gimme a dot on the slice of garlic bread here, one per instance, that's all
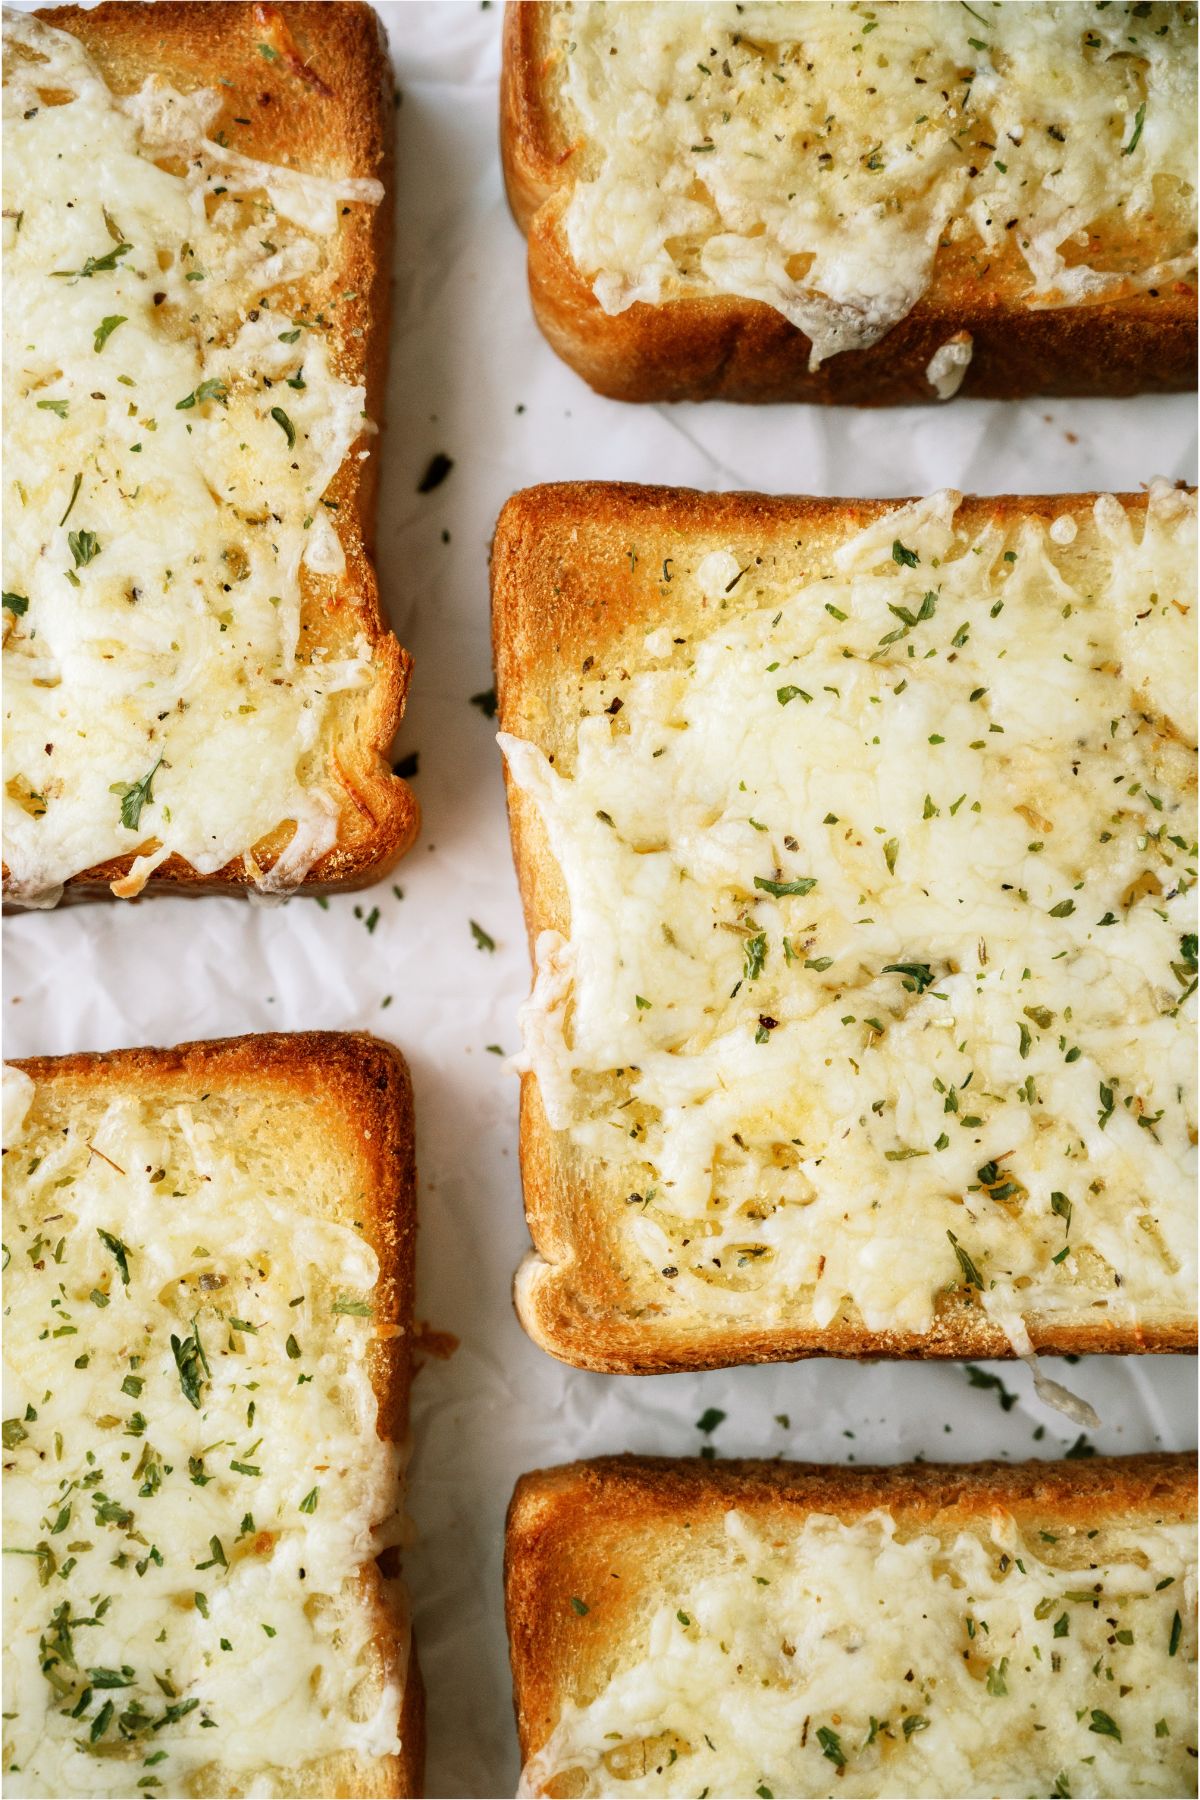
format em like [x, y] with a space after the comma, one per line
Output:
[208, 1327]
[780, 1628]
[825, 201]
[200, 688]
[857, 847]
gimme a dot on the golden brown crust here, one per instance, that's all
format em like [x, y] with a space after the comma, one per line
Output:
[322, 102]
[576, 574]
[726, 348]
[358, 1092]
[571, 1529]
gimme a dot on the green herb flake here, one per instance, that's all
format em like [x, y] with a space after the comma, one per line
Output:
[1062, 1208]
[980, 1378]
[804, 885]
[95, 265]
[119, 1250]
[191, 1362]
[755, 956]
[75, 487]
[105, 329]
[1139, 119]
[134, 796]
[970, 1273]
[84, 545]
[831, 1746]
[207, 390]
[917, 976]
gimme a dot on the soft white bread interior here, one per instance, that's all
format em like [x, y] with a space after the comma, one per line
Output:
[208, 1323]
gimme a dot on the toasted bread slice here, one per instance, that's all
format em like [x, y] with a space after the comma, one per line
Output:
[856, 844]
[783, 1628]
[771, 203]
[208, 1334]
[201, 689]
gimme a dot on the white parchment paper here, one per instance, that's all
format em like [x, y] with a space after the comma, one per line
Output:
[472, 378]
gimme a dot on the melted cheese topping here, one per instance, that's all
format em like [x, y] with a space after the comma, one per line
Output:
[193, 1480]
[170, 430]
[882, 930]
[815, 157]
[850, 1659]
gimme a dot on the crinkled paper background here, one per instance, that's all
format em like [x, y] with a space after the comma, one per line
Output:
[472, 378]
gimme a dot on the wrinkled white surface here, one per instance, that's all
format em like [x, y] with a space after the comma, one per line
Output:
[466, 355]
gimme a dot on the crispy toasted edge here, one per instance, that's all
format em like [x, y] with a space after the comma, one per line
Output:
[350, 47]
[725, 347]
[564, 1524]
[558, 592]
[361, 1085]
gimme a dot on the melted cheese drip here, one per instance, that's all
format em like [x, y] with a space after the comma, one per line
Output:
[168, 438]
[964, 1020]
[848, 1659]
[119, 1493]
[815, 156]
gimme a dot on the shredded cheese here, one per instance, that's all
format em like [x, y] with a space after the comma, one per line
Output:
[882, 948]
[816, 157]
[853, 1658]
[193, 1477]
[949, 363]
[170, 430]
